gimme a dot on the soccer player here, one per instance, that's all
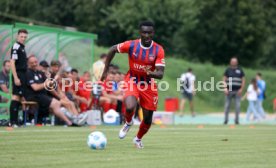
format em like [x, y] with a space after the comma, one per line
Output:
[146, 61]
[18, 67]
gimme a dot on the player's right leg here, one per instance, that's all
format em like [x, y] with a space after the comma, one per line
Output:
[130, 103]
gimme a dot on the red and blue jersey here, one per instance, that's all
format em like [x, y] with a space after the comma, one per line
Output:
[142, 58]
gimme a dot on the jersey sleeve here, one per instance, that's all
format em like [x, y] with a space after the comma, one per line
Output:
[14, 51]
[29, 78]
[123, 47]
[160, 60]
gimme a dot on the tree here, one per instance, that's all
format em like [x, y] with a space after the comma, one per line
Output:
[229, 28]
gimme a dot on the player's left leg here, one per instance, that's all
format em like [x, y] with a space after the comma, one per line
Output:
[144, 127]
[148, 101]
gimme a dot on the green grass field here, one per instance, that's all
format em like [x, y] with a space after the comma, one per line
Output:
[170, 147]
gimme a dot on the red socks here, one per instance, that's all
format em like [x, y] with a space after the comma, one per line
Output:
[128, 116]
[143, 129]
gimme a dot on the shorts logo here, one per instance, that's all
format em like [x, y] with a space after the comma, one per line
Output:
[163, 61]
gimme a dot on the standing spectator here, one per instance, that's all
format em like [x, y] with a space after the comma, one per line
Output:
[188, 90]
[98, 68]
[18, 67]
[252, 97]
[4, 79]
[262, 86]
[234, 83]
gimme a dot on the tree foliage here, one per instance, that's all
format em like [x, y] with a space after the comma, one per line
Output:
[205, 31]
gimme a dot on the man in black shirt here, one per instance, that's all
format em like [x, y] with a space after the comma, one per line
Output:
[18, 67]
[234, 81]
[35, 90]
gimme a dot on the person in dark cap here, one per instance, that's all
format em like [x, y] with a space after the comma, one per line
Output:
[44, 66]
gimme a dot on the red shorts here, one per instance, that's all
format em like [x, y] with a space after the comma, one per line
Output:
[146, 94]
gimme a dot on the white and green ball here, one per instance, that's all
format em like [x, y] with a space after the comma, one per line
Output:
[96, 140]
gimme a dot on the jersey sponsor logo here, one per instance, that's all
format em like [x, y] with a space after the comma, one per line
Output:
[142, 67]
[238, 71]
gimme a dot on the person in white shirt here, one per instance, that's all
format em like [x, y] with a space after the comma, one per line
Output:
[188, 90]
[252, 96]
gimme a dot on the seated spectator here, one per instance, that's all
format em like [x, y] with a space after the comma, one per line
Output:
[109, 99]
[70, 90]
[4, 79]
[75, 74]
[43, 66]
[55, 68]
[84, 91]
[36, 82]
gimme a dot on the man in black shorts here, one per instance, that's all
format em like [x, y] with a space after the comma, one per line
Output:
[36, 85]
[18, 67]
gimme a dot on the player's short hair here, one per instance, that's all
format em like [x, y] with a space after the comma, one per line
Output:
[5, 61]
[259, 74]
[74, 70]
[22, 31]
[146, 23]
[190, 70]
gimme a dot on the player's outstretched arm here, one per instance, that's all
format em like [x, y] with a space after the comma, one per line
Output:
[110, 55]
[158, 73]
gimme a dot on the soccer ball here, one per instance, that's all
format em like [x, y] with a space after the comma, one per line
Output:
[96, 140]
